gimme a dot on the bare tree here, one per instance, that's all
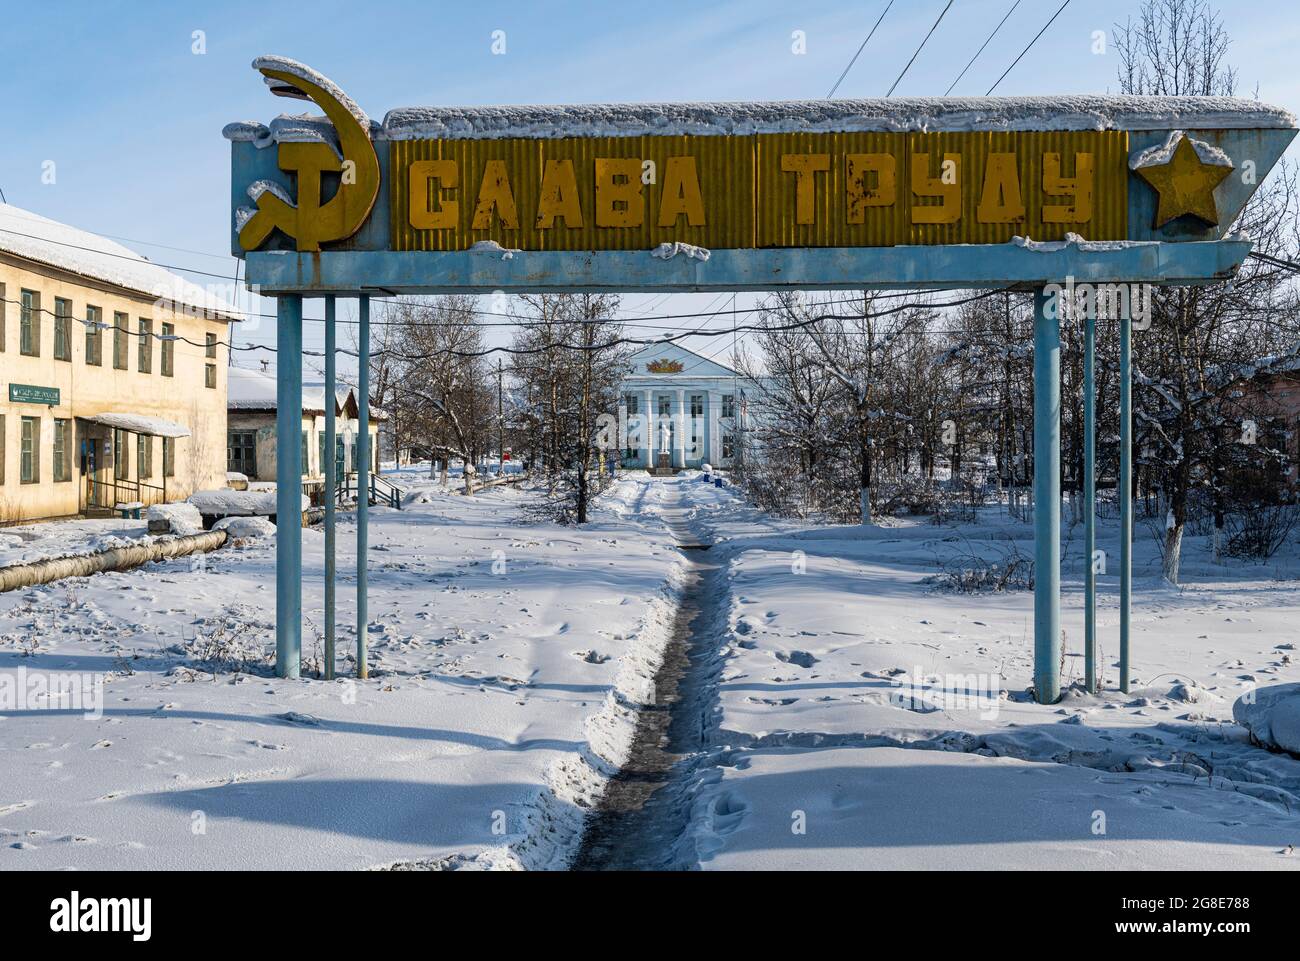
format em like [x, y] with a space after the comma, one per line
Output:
[1198, 336]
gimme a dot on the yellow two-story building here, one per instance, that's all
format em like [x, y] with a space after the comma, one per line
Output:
[112, 375]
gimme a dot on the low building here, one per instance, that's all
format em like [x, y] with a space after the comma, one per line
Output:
[679, 409]
[112, 375]
[251, 430]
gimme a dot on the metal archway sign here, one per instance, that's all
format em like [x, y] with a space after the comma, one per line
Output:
[921, 193]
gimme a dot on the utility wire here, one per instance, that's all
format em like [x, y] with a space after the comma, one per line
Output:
[981, 49]
[860, 49]
[1026, 50]
[246, 314]
[575, 324]
[918, 49]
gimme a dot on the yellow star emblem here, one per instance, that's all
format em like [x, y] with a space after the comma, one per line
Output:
[1185, 185]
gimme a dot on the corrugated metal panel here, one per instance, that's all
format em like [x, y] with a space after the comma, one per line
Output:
[722, 166]
[778, 225]
[1109, 150]
[750, 200]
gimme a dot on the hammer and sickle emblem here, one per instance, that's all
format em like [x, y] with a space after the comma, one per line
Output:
[312, 223]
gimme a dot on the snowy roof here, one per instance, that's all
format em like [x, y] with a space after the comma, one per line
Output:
[138, 424]
[900, 114]
[918, 114]
[256, 390]
[33, 237]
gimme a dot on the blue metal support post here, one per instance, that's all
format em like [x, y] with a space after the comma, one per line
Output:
[1090, 502]
[1125, 490]
[331, 485]
[363, 481]
[1047, 502]
[288, 487]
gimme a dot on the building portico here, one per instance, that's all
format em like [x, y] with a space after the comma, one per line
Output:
[679, 404]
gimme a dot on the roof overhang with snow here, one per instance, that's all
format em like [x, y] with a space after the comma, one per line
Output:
[138, 424]
[935, 192]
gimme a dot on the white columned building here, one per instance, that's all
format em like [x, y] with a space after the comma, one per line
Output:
[682, 409]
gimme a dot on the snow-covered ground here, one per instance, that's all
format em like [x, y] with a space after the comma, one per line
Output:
[509, 657]
[67, 538]
[488, 720]
[823, 759]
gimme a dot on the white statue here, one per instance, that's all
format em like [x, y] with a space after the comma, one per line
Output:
[665, 432]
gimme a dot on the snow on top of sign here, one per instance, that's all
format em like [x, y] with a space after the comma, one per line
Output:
[304, 72]
[492, 247]
[31, 236]
[1161, 154]
[669, 251]
[1074, 240]
[902, 114]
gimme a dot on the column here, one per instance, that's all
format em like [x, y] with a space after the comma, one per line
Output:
[362, 468]
[1125, 493]
[679, 435]
[622, 430]
[288, 487]
[331, 485]
[1047, 502]
[650, 441]
[714, 420]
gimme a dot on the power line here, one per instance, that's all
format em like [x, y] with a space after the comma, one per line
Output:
[1026, 50]
[918, 49]
[1290, 265]
[514, 322]
[981, 49]
[860, 49]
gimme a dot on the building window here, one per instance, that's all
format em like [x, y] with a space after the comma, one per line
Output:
[144, 360]
[121, 466]
[728, 405]
[305, 471]
[169, 457]
[697, 405]
[633, 404]
[665, 406]
[29, 467]
[210, 347]
[119, 341]
[241, 453]
[210, 376]
[143, 456]
[29, 323]
[62, 450]
[168, 350]
[62, 328]
[728, 445]
[94, 337]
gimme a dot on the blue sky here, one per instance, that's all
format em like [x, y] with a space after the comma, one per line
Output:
[114, 95]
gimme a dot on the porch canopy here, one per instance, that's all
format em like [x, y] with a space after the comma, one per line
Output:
[138, 424]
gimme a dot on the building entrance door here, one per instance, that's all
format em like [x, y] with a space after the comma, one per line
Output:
[90, 466]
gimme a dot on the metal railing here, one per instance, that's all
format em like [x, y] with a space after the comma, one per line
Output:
[382, 490]
[107, 494]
